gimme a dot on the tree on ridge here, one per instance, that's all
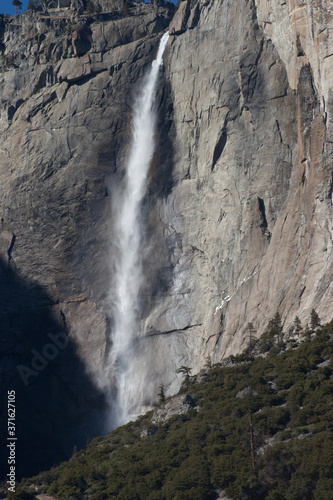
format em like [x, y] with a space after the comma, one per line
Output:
[17, 4]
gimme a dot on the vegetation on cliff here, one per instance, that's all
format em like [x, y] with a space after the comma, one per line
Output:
[262, 429]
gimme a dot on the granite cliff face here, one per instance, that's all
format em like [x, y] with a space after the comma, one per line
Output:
[248, 219]
[67, 85]
[252, 200]
[238, 205]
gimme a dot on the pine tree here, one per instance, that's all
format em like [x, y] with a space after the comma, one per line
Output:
[208, 363]
[297, 326]
[161, 394]
[273, 333]
[31, 5]
[314, 319]
[186, 371]
[275, 327]
[17, 4]
[250, 328]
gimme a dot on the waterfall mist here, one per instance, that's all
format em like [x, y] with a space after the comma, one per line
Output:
[124, 374]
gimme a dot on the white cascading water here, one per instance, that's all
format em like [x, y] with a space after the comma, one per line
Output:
[123, 370]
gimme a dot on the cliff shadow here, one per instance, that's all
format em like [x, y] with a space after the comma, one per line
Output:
[57, 406]
[161, 180]
[157, 258]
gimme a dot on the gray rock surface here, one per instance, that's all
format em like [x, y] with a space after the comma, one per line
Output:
[67, 85]
[238, 207]
[178, 405]
[247, 392]
[248, 219]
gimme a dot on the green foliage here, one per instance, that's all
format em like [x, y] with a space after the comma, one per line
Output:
[266, 342]
[161, 394]
[17, 4]
[185, 370]
[272, 336]
[192, 455]
[35, 4]
[252, 340]
[208, 363]
[275, 327]
[21, 493]
[32, 5]
[314, 319]
[297, 326]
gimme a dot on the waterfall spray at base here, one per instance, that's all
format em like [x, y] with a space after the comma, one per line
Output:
[123, 370]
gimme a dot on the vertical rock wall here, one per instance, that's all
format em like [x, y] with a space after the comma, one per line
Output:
[238, 206]
[67, 84]
[249, 217]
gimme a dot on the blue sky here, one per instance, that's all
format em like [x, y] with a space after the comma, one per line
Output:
[6, 6]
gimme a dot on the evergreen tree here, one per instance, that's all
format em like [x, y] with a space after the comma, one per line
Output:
[17, 4]
[273, 333]
[250, 328]
[275, 327]
[314, 319]
[208, 363]
[186, 371]
[297, 326]
[161, 394]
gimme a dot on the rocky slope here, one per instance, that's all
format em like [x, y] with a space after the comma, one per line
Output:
[271, 414]
[238, 206]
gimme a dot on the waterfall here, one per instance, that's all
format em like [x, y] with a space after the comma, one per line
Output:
[123, 370]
